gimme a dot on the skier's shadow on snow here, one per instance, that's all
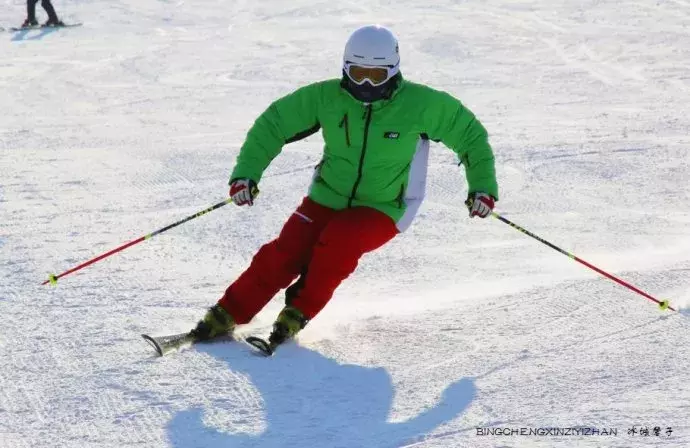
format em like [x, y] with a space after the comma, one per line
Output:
[309, 398]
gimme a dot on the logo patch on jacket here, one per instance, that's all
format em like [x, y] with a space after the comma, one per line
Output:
[391, 135]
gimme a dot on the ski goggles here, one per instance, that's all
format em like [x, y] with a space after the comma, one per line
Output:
[376, 75]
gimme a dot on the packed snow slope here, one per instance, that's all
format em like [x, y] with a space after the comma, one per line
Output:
[133, 121]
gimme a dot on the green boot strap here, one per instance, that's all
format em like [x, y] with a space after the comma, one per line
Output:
[293, 319]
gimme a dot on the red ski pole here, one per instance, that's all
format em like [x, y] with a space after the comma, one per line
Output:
[663, 304]
[52, 278]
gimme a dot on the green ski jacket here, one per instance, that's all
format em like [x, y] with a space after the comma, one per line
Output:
[375, 155]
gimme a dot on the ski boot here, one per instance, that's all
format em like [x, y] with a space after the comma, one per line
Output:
[216, 322]
[55, 23]
[289, 322]
[29, 23]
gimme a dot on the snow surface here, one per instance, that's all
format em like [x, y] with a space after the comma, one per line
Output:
[113, 130]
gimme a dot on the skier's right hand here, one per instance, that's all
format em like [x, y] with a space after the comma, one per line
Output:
[243, 191]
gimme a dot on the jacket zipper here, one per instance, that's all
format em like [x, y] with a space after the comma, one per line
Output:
[367, 122]
[344, 123]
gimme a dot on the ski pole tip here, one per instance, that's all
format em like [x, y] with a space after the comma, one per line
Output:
[664, 305]
[52, 279]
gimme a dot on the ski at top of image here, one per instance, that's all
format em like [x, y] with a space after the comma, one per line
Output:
[15, 29]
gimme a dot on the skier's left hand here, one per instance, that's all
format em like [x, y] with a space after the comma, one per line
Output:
[479, 204]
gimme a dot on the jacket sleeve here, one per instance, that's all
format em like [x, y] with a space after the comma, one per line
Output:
[458, 128]
[288, 119]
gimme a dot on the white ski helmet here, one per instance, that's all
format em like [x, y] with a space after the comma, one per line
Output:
[372, 45]
[373, 52]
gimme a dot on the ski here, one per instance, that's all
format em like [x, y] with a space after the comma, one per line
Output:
[40, 27]
[166, 344]
[66, 25]
[22, 28]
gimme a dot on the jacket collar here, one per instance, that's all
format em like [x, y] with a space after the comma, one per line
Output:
[380, 104]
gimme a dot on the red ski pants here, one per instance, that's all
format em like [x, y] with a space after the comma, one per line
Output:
[325, 242]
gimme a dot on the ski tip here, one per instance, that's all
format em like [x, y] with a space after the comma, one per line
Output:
[153, 344]
[260, 344]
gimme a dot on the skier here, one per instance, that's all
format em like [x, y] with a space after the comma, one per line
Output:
[367, 188]
[31, 14]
